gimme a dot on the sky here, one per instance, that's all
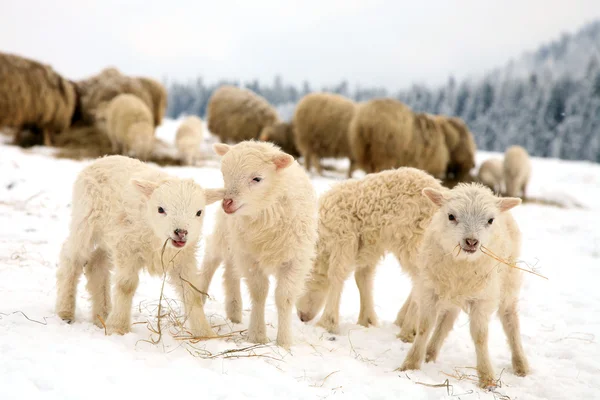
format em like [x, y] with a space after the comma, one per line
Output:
[391, 44]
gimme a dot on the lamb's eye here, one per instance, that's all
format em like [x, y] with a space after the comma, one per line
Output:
[257, 179]
[491, 221]
[199, 213]
[451, 217]
[161, 210]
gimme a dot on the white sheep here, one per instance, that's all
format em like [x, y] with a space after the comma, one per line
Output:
[123, 213]
[454, 274]
[129, 126]
[189, 138]
[517, 169]
[359, 221]
[491, 174]
[268, 226]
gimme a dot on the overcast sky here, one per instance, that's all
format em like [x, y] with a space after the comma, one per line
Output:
[367, 42]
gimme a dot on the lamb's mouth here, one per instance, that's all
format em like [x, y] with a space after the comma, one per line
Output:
[178, 243]
[470, 250]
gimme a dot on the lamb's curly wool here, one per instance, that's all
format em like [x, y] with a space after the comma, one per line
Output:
[461, 145]
[236, 114]
[359, 221]
[129, 126]
[491, 174]
[35, 97]
[468, 217]
[517, 169]
[189, 138]
[321, 122]
[282, 135]
[123, 213]
[268, 226]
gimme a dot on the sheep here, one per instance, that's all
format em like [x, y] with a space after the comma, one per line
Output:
[321, 122]
[189, 138]
[461, 145]
[428, 150]
[468, 217]
[158, 97]
[236, 114]
[359, 221]
[126, 216]
[129, 126]
[491, 174]
[282, 135]
[35, 97]
[267, 226]
[517, 169]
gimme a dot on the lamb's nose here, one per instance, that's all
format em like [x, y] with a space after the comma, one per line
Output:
[471, 242]
[181, 233]
[227, 203]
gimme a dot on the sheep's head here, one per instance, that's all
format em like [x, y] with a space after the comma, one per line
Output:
[175, 208]
[252, 172]
[466, 217]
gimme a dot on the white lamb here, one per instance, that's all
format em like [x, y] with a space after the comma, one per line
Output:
[454, 274]
[517, 169]
[124, 212]
[268, 226]
[491, 174]
[359, 221]
[189, 138]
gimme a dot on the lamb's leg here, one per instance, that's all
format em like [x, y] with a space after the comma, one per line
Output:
[307, 161]
[47, 137]
[524, 190]
[428, 309]
[317, 162]
[233, 292]
[510, 322]
[331, 315]
[97, 272]
[480, 321]
[351, 168]
[258, 285]
[407, 319]
[444, 325]
[403, 310]
[126, 282]
[290, 281]
[212, 260]
[364, 280]
[67, 277]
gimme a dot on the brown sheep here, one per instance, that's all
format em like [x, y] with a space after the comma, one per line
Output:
[158, 95]
[428, 147]
[281, 134]
[461, 146]
[236, 114]
[321, 122]
[35, 97]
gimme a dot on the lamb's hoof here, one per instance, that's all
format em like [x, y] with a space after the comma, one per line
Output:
[234, 313]
[329, 324]
[406, 337]
[258, 338]
[409, 366]
[66, 316]
[284, 343]
[204, 333]
[431, 356]
[118, 330]
[367, 321]
[521, 368]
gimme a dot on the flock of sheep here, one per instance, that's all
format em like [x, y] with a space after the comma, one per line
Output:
[128, 216]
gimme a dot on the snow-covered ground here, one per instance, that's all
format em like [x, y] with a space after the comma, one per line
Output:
[41, 357]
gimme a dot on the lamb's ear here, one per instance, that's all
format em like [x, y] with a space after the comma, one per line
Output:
[435, 196]
[213, 195]
[282, 160]
[506, 203]
[145, 187]
[221, 148]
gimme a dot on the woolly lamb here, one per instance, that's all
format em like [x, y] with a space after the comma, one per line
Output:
[359, 221]
[491, 174]
[321, 122]
[236, 114]
[129, 126]
[517, 169]
[124, 213]
[461, 145]
[189, 138]
[268, 226]
[35, 97]
[282, 135]
[469, 216]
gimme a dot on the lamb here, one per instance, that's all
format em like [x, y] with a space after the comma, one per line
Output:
[268, 226]
[282, 135]
[236, 114]
[321, 122]
[189, 138]
[491, 174]
[461, 145]
[468, 218]
[517, 169]
[35, 97]
[124, 214]
[129, 126]
[359, 221]
[158, 97]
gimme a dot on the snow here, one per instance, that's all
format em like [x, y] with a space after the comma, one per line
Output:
[560, 317]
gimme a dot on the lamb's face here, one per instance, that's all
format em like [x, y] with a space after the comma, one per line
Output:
[465, 220]
[251, 173]
[175, 209]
